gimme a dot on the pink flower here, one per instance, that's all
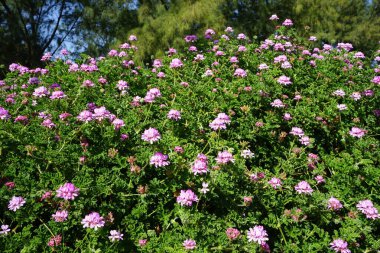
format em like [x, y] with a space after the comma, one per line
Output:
[334, 204]
[122, 85]
[15, 203]
[312, 38]
[186, 198]
[41, 92]
[240, 73]
[132, 37]
[246, 153]
[4, 114]
[274, 17]
[287, 116]
[275, 182]
[4, 230]
[174, 115]
[200, 166]
[305, 140]
[189, 244]
[297, 131]
[159, 160]
[115, 236]
[224, 157]
[376, 80]
[151, 135]
[118, 123]
[176, 63]
[205, 188]
[357, 132]
[287, 22]
[367, 208]
[142, 242]
[277, 103]
[57, 95]
[55, 241]
[340, 246]
[303, 187]
[356, 96]
[88, 83]
[241, 36]
[339, 93]
[263, 66]
[257, 234]
[48, 123]
[93, 220]
[319, 179]
[284, 80]
[232, 233]
[68, 191]
[60, 216]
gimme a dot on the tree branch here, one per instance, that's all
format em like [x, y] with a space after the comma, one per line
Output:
[56, 27]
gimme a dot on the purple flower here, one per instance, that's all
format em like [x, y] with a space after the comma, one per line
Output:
[186, 198]
[189, 244]
[357, 132]
[319, 179]
[305, 140]
[287, 22]
[48, 123]
[122, 85]
[334, 204]
[15, 203]
[151, 135]
[176, 63]
[241, 36]
[274, 17]
[340, 246]
[205, 188]
[60, 216]
[93, 220]
[88, 83]
[159, 160]
[55, 241]
[174, 115]
[224, 157]
[68, 191]
[376, 80]
[303, 187]
[4, 114]
[257, 234]
[284, 80]
[342, 107]
[339, 93]
[356, 96]
[115, 236]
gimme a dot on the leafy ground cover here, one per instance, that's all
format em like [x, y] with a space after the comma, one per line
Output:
[229, 145]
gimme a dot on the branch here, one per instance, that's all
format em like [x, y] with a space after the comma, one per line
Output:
[64, 37]
[56, 27]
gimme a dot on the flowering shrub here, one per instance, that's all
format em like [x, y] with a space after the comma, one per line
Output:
[226, 146]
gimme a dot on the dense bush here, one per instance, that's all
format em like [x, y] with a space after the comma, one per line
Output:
[226, 146]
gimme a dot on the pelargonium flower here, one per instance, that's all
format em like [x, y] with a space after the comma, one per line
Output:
[319, 179]
[186, 198]
[257, 234]
[122, 85]
[200, 166]
[277, 103]
[284, 80]
[342, 107]
[339, 93]
[205, 188]
[85, 116]
[4, 230]
[246, 153]
[305, 140]
[232, 233]
[55, 241]
[189, 244]
[376, 80]
[115, 235]
[297, 131]
[93, 220]
[275, 182]
[303, 187]
[176, 63]
[224, 157]
[151, 95]
[287, 22]
[367, 208]
[357, 132]
[159, 160]
[88, 83]
[41, 92]
[4, 114]
[274, 17]
[340, 246]
[263, 66]
[118, 123]
[60, 216]
[15, 203]
[174, 115]
[57, 95]
[356, 96]
[67, 191]
[48, 123]
[334, 204]
[240, 72]
[151, 135]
